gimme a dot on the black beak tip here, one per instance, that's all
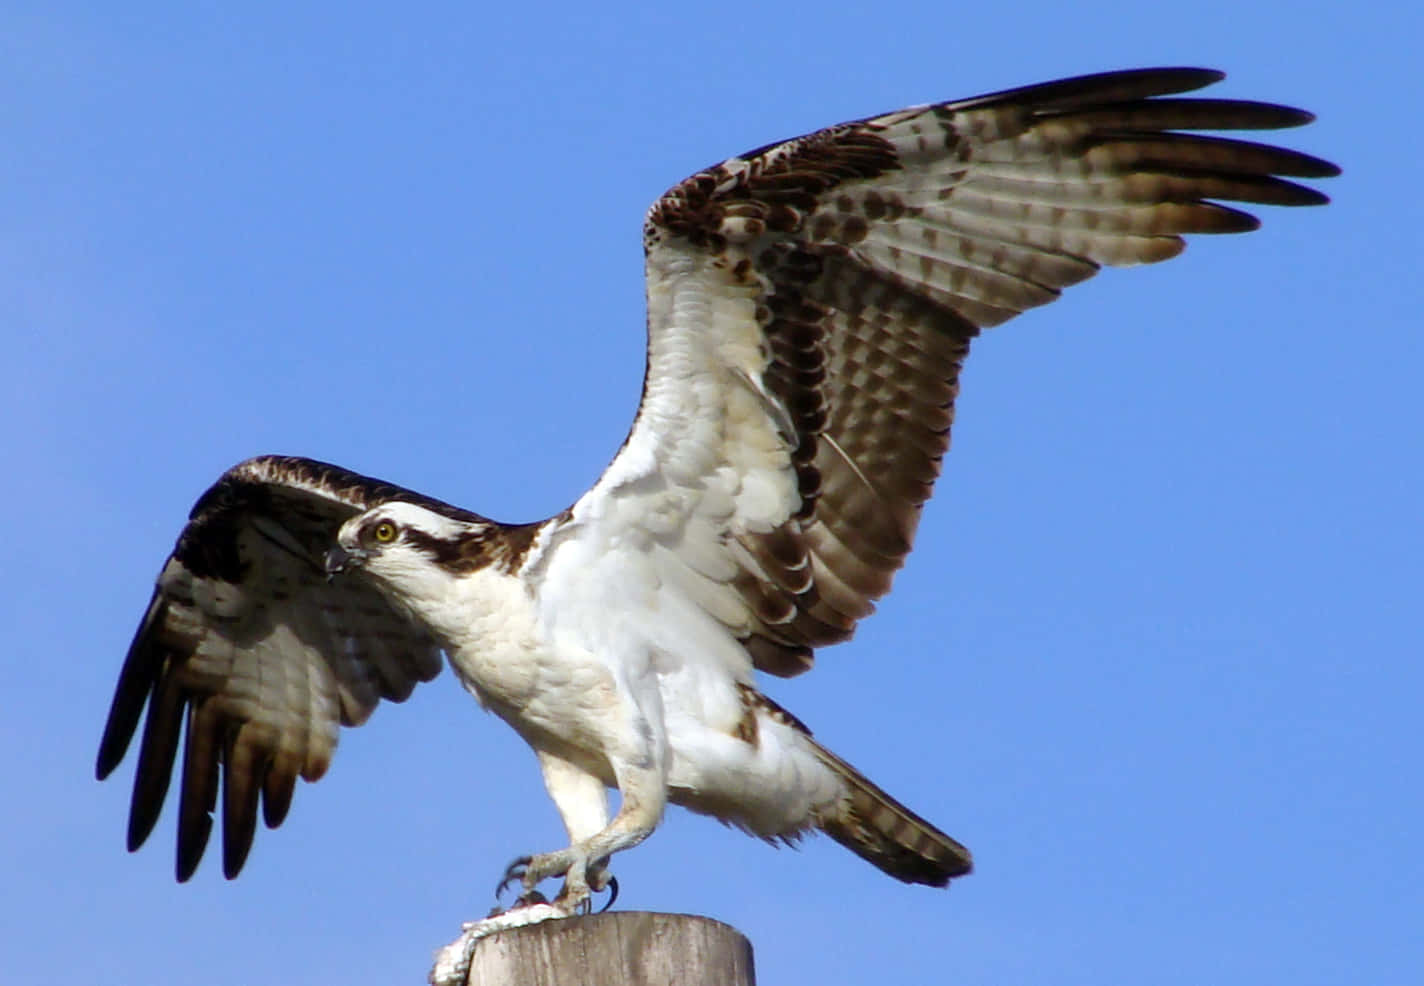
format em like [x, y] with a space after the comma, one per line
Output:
[336, 561]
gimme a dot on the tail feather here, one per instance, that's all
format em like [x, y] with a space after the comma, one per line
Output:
[880, 830]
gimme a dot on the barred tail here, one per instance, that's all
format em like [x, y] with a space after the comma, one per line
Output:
[880, 830]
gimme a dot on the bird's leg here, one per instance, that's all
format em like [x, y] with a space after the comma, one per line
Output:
[588, 859]
[582, 801]
[638, 755]
[583, 866]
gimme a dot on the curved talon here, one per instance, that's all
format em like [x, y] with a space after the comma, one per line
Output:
[612, 894]
[516, 870]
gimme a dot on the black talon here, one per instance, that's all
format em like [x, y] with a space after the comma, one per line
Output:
[612, 894]
[514, 871]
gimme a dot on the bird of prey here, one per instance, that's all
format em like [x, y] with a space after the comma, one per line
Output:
[810, 304]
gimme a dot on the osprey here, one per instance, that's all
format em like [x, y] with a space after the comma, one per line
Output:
[810, 305]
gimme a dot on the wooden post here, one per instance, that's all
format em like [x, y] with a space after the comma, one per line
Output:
[624, 948]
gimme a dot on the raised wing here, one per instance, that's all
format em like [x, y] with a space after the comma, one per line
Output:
[810, 305]
[247, 643]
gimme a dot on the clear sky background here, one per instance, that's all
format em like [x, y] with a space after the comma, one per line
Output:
[1156, 658]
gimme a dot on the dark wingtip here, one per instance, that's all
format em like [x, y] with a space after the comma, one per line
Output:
[1311, 196]
[1326, 169]
[1284, 117]
[1162, 80]
[1225, 219]
[138, 832]
[191, 845]
[136, 683]
[232, 865]
[246, 767]
[1190, 75]
[277, 801]
[143, 816]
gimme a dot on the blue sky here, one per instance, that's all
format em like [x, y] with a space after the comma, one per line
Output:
[1155, 659]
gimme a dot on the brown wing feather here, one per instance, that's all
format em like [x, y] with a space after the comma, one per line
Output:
[249, 649]
[883, 246]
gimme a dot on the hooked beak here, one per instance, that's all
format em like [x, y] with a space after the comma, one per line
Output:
[337, 560]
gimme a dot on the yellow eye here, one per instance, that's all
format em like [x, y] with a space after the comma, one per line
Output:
[384, 532]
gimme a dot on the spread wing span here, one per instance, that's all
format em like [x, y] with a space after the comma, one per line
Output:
[810, 304]
[247, 645]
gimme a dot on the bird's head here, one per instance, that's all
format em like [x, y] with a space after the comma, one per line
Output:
[408, 548]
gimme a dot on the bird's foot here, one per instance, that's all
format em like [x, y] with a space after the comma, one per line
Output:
[581, 880]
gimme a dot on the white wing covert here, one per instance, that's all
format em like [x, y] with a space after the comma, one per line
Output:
[810, 305]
